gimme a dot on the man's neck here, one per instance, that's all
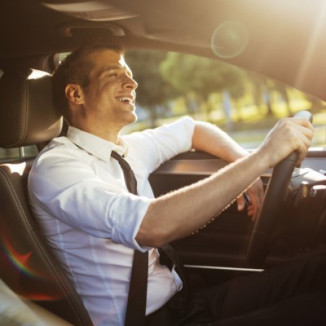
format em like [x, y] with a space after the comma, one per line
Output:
[108, 133]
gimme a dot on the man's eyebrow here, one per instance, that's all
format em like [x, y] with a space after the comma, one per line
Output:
[112, 67]
[115, 67]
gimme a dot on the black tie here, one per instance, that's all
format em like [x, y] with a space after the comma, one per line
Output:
[129, 175]
[136, 307]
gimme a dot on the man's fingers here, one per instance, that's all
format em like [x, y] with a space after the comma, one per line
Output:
[304, 137]
[241, 204]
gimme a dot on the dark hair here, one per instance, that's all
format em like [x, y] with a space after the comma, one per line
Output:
[76, 68]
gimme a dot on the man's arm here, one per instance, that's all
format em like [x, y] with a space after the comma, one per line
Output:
[180, 213]
[209, 138]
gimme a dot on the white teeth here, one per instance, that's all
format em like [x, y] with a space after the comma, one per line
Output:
[124, 99]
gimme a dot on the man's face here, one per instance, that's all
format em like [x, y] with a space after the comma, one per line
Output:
[110, 95]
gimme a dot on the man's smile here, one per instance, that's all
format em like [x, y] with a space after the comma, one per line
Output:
[126, 100]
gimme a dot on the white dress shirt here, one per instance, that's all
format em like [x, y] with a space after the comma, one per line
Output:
[78, 194]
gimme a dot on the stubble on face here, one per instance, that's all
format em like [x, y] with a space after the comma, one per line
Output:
[110, 95]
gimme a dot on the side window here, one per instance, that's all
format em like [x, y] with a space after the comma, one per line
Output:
[244, 104]
[18, 153]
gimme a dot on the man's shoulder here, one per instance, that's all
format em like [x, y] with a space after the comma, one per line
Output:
[56, 146]
[58, 157]
[58, 149]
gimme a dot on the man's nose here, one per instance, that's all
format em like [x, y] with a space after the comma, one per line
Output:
[129, 82]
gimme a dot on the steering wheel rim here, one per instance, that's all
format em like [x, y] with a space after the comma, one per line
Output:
[274, 197]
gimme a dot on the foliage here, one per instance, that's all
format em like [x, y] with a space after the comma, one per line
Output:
[188, 73]
[152, 88]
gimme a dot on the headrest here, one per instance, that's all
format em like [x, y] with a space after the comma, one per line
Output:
[27, 112]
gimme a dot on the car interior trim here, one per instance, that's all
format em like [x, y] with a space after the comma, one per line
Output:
[226, 268]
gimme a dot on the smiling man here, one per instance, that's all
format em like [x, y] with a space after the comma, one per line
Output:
[94, 224]
[106, 106]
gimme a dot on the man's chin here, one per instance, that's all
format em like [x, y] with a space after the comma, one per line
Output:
[132, 118]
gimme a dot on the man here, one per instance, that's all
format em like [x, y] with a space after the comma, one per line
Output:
[78, 191]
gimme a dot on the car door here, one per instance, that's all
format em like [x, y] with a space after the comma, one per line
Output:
[218, 250]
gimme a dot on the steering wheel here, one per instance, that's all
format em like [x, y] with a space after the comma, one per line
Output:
[274, 197]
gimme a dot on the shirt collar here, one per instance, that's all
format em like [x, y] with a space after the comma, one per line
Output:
[95, 145]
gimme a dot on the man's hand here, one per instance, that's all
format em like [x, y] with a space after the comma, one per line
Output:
[289, 134]
[255, 195]
[295, 133]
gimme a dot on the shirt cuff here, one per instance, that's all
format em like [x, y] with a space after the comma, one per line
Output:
[126, 225]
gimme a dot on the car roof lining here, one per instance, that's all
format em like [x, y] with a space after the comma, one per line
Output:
[278, 46]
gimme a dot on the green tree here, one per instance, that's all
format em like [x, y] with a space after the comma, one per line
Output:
[191, 74]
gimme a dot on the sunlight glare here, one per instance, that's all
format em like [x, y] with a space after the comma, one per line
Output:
[317, 34]
[17, 168]
[36, 74]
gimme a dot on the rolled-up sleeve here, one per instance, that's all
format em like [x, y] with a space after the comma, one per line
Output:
[70, 191]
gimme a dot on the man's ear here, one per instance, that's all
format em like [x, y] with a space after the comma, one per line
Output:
[74, 94]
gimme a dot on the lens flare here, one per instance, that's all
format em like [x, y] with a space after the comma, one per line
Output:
[229, 39]
[20, 261]
[23, 278]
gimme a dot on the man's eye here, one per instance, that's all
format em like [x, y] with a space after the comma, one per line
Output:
[111, 74]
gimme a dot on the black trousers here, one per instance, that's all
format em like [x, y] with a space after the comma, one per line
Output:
[289, 294]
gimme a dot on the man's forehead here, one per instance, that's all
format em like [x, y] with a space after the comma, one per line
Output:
[109, 56]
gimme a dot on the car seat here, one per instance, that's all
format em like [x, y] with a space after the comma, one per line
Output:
[27, 266]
